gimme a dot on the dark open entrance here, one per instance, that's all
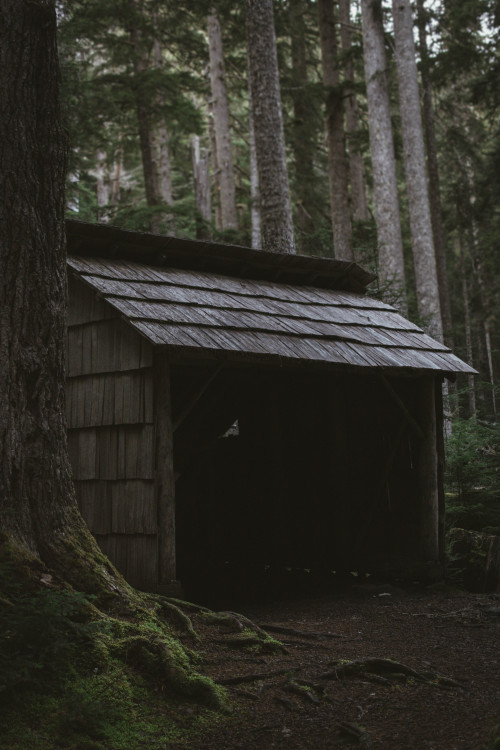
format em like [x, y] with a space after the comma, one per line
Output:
[286, 471]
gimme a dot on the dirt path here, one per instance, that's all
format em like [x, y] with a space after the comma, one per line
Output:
[307, 698]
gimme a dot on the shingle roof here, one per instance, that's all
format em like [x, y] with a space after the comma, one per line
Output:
[188, 309]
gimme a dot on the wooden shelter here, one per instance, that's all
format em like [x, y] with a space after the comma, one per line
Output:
[226, 404]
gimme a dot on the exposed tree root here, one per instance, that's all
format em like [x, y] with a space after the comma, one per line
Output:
[300, 633]
[391, 669]
[254, 677]
[356, 733]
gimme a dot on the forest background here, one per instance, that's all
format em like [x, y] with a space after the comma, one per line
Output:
[158, 108]
[150, 149]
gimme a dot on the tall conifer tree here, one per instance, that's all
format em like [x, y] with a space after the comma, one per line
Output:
[385, 190]
[276, 212]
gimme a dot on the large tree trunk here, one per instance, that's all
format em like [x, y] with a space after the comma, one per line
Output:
[385, 189]
[334, 125]
[356, 168]
[220, 109]
[433, 174]
[303, 143]
[276, 213]
[38, 510]
[424, 258]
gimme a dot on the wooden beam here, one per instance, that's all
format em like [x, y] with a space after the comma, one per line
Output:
[428, 472]
[440, 468]
[164, 474]
[193, 400]
[398, 401]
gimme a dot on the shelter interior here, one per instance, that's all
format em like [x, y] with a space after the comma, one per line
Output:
[307, 470]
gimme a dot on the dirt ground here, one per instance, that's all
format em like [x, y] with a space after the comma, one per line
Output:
[305, 697]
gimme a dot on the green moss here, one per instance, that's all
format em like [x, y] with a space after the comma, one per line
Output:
[76, 676]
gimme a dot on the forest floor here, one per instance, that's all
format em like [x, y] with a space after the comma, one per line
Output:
[442, 694]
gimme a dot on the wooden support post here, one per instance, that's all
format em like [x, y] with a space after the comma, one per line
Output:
[427, 468]
[165, 479]
[440, 468]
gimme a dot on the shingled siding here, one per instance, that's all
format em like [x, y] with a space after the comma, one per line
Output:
[110, 419]
[209, 312]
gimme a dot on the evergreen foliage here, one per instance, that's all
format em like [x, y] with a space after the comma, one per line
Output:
[102, 85]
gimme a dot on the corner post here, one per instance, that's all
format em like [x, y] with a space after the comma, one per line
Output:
[428, 473]
[165, 479]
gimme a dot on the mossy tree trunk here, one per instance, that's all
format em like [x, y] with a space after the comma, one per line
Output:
[39, 517]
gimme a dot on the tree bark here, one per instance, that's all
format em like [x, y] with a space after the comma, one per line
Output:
[434, 183]
[153, 136]
[468, 329]
[102, 186]
[202, 197]
[220, 109]
[276, 213]
[385, 190]
[424, 258]
[334, 126]
[303, 143]
[356, 167]
[38, 510]
[254, 181]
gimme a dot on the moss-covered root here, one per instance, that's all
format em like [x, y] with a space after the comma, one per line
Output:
[493, 742]
[164, 660]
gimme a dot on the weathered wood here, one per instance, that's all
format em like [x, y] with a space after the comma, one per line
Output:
[119, 506]
[427, 472]
[84, 306]
[208, 311]
[134, 556]
[106, 346]
[124, 452]
[440, 468]
[101, 241]
[165, 478]
[110, 399]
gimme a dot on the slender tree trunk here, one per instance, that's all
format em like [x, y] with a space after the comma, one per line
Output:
[38, 511]
[220, 109]
[434, 186]
[468, 329]
[276, 212]
[334, 125]
[356, 167]
[153, 137]
[486, 306]
[385, 190]
[303, 126]
[424, 258]
[215, 168]
[201, 174]
[162, 174]
[102, 185]
[146, 132]
[116, 182]
[254, 181]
